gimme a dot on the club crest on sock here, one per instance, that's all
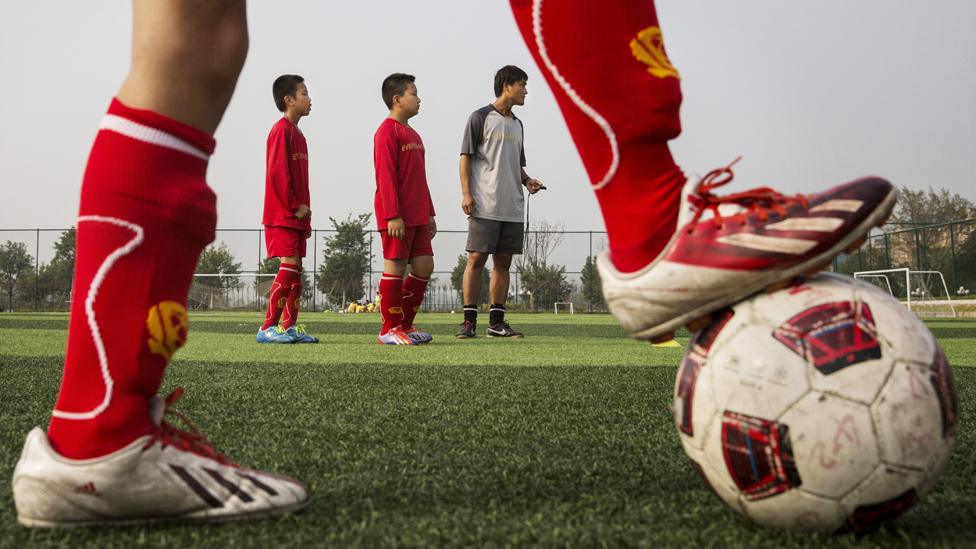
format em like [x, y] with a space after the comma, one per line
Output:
[167, 324]
[648, 48]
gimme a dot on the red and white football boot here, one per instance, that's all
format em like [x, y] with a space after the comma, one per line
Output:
[169, 475]
[726, 248]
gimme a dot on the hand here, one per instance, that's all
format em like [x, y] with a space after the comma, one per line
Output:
[303, 211]
[534, 185]
[395, 228]
[467, 204]
[308, 233]
[433, 227]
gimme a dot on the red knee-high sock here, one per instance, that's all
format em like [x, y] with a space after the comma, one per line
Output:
[278, 296]
[619, 95]
[146, 214]
[391, 301]
[290, 316]
[413, 297]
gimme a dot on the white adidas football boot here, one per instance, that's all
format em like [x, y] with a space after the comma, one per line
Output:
[169, 475]
[727, 248]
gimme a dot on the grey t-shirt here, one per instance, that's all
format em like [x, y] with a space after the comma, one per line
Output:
[494, 142]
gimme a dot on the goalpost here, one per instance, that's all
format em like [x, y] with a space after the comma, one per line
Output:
[919, 299]
[565, 304]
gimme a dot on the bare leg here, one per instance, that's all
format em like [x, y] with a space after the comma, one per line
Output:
[186, 57]
[501, 263]
[471, 285]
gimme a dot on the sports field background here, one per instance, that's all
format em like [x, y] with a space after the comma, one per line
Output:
[564, 438]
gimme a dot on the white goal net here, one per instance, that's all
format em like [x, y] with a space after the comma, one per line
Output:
[566, 305]
[924, 292]
[238, 291]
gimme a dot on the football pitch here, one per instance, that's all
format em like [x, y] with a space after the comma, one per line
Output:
[564, 438]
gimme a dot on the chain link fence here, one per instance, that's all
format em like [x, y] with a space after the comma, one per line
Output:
[43, 282]
[949, 248]
[35, 277]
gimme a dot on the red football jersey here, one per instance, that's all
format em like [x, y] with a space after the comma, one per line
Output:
[401, 178]
[286, 181]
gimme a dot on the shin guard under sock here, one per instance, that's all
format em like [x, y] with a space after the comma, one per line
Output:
[278, 295]
[414, 288]
[146, 213]
[391, 301]
[620, 95]
[289, 316]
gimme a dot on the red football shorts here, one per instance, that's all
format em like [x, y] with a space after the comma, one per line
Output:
[415, 243]
[284, 241]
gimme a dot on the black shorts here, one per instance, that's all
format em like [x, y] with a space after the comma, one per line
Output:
[491, 236]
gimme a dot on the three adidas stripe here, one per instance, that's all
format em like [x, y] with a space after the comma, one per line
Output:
[235, 490]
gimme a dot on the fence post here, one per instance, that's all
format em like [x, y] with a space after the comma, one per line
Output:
[887, 241]
[37, 264]
[315, 266]
[918, 251]
[952, 250]
[589, 290]
[370, 275]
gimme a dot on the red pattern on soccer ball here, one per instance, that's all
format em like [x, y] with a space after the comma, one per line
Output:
[758, 455]
[695, 358]
[832, 336]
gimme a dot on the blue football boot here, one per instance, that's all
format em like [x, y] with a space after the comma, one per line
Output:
[273, 334]
[417, 335]
[299, 335]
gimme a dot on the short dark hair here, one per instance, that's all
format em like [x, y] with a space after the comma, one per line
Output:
[284, 86]
[395, 84]
[507, 75]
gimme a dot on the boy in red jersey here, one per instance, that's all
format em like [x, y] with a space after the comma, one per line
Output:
[677, 251]
[109, 455]
[404, 213]
[287, 217]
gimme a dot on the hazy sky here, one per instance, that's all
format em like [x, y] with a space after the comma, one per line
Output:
[810, 93]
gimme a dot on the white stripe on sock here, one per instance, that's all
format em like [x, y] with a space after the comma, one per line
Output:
[582, 105]
[146, 134]
[96, 333]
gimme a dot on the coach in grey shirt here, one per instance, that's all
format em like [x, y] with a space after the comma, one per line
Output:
[492, 177]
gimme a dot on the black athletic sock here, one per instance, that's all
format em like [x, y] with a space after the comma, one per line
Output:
[496, 313]
[471, 313]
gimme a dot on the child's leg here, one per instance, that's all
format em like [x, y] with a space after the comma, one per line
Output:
[391, 293]
[280, 291]
[290, 316]
[415, 286]
[619, 95]
[146, 214]
[421, 267]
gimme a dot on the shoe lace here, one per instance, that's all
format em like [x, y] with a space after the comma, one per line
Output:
[400, 335]
[189, 439]
[300, 329]
[758, 201]
[504, 326]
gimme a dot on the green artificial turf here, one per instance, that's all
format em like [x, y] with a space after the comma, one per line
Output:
[563, 438]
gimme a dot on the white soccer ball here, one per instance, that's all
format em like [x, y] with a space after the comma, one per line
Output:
[827, 406]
